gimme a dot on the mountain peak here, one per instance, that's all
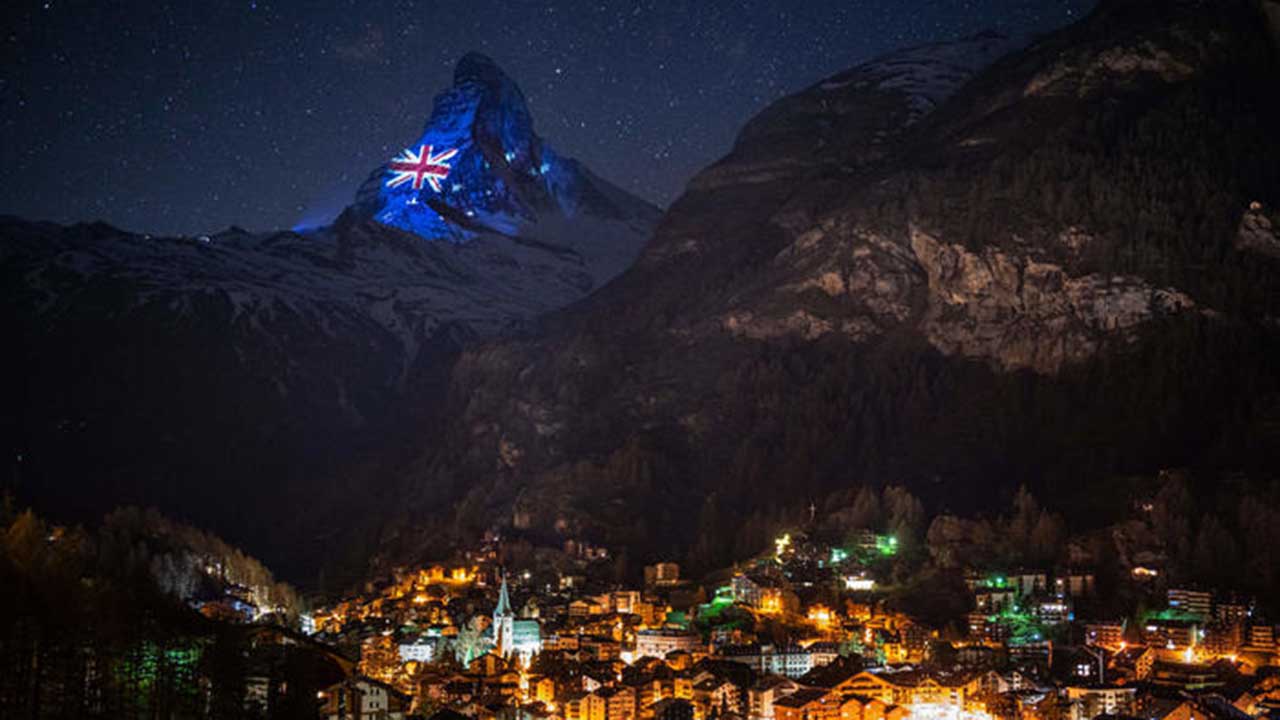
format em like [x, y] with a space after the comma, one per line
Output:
[480, 168]
[478, 67]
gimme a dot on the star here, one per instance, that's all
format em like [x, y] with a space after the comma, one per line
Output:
[170, 85]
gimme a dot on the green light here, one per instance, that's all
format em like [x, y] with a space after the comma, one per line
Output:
[838, 555]
[886, 544]
[1173, 613]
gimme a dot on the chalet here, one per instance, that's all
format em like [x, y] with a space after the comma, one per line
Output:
[364, 698]
[489, 664]
[543, 690]
[808, 704]
[585, 706]
[766, 691]
[912, 687]
[712, 693]
[1086, 702]
[871, 686]
[1190, 677]
[620, 702]
[1132, 664]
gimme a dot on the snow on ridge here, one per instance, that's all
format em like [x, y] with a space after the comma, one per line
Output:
[928, 74]
[358, 274]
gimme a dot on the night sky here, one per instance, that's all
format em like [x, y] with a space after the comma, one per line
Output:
[188, 117]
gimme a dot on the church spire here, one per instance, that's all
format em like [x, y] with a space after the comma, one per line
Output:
[504, 601]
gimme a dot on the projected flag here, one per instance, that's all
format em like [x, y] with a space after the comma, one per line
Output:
[419, 167]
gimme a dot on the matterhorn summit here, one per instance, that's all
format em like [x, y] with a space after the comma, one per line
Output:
[479, 168]
[291, 350]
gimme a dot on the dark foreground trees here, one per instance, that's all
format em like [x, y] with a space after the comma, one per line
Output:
[86, 631]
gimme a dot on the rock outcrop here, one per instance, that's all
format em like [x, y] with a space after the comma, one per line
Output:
[956, 274]
[1257, 233]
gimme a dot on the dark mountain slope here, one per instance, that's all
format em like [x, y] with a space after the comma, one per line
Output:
[232, 380]
[1051, 277]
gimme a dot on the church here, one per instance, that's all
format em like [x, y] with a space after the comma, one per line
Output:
[514, 637]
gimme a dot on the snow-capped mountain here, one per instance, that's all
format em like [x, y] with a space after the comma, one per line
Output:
[944, 269]
[150, 367]
[479, 168]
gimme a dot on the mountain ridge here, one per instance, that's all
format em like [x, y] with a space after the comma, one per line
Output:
[959, 306]
[198, 373]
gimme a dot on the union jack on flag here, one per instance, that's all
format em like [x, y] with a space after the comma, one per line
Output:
[420, 166]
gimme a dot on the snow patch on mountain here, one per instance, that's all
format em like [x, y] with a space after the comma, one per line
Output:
[929, 74]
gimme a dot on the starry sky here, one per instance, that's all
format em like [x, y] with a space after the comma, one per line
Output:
[188, 117]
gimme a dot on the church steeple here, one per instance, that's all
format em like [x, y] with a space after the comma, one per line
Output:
[504, 601]
[512, 636]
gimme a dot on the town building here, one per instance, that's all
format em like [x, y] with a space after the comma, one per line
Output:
[663, 574]
[1086, 702]
[1172, 634]
[763, 594]
[1104, 634]
[789, 661]
[421, 649]
[766, 691]
[808, 704]
[361, 698]
[1074, 584]
[585, 706]
[1197, 602]
[658, 642]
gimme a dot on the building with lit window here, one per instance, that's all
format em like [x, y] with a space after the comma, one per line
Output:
[420, 650]
[658, 642]
[361, 697]
[808, 704]
[1198, 602]
[664, 574]
[762, 594]
[585, 706]
[789, 661]
[1086, 702]
[1104, 634]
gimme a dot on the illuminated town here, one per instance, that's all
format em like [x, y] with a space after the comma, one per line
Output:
[805, 631]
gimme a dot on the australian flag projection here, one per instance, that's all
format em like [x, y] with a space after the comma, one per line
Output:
[478, 166]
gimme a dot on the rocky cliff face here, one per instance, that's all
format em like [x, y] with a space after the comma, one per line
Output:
[1021, 311]
[945, 268]
[207, 374]
[1018, 309]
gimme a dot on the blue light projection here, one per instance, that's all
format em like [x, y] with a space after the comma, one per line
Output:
[477, 167]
